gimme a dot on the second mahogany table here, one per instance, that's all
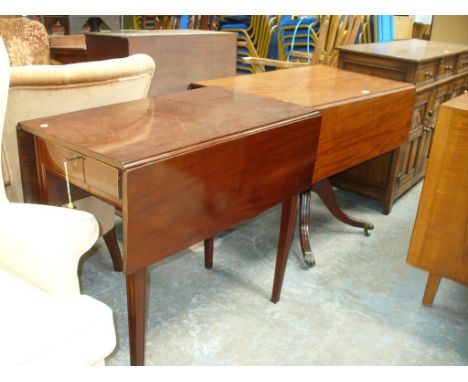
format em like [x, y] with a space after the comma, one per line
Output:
[362, 117]
[181, 167]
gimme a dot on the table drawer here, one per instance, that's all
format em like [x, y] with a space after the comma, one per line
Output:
[462, 63]
[85, 172]
[447, 67]
[426, 73]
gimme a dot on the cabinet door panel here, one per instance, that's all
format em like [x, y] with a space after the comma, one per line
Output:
[440, 96]
[410, 151]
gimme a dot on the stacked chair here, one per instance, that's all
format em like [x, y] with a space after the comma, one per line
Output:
[297, 35]
[318, 47]
[205, 22]
[376, 29]
[343, 31]
[368, 31]
[253, 39]
[156, 22]
[282, 38]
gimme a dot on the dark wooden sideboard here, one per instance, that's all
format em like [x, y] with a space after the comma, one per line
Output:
[439, 72]
[181, 56]
[440, 236]
[68, 49]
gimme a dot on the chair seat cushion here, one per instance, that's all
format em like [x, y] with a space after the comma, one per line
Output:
[43, 244]
[37, 328]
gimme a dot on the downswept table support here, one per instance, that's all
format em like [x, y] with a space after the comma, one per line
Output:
[325, 192]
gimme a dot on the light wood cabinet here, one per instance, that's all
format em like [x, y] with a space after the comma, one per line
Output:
[439, 72]
[439, 243]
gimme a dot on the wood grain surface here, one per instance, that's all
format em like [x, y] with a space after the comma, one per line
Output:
[407, 50]
[181, 56]
[131, 134]
[188, 198]
[439, 243]
[363, 116]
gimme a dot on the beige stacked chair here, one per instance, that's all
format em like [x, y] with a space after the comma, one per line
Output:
[42, 90]
[343, 31]
[44, 320]
[334, 31]
[253, 41]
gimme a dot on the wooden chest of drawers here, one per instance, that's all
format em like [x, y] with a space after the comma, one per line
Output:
[440, 237]
[182, 56]
[439, 72]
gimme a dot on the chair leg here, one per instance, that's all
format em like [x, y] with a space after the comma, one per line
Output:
[111, 242]
[208, 253]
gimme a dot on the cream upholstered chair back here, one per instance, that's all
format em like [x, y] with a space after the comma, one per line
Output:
[41, 90]
[44, 320]
[4, 83]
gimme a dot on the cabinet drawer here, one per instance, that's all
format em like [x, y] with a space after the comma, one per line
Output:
[462, 63]
[447, 67]
[421, 111]
[458, 87]
[90, 174]
[426, 73]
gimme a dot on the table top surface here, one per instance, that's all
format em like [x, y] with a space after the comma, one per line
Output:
[153, 33]
[315, 86]
[135, 133]
[407, 50]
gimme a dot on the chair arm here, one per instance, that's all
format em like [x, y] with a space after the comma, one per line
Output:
[275, 63]
[43, 244]
[81, 73]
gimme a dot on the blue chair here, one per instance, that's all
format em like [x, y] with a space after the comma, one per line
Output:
[298, 34]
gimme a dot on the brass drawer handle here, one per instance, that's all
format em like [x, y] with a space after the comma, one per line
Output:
[448, 67]
[429, 128]
[428, 74]
[66, 162]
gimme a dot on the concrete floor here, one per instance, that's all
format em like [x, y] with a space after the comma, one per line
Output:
[360, 305]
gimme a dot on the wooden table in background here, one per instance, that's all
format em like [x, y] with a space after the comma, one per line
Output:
[440, 236]
[182, 168]
[362, 117]
[181, 56]
[68, 49]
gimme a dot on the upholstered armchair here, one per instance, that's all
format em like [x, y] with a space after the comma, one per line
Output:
[42, 90]
[44, 320]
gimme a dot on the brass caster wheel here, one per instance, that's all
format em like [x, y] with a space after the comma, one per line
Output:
[368, 228]
[309, 259]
